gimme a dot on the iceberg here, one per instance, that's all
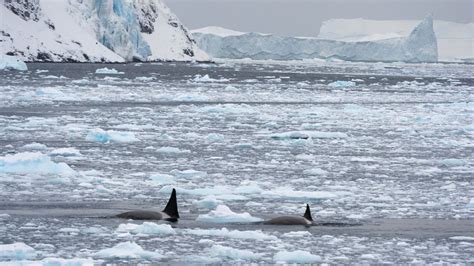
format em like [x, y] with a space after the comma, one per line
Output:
[455, 40]
[8, 62]
[127, 250]
[419, 46]
[16, 251]
[233, 253]
[95, 31]
[100, 135]
[147, 228]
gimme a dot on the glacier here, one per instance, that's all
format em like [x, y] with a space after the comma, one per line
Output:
[419, 46]
[95, 31]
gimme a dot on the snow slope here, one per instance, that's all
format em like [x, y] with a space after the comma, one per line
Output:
[419, 46]
[455, 40]
[94, 31]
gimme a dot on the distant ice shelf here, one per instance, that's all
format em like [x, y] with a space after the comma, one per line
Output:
[419, 46]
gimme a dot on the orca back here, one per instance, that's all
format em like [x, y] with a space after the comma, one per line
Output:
[172, 207]
[307, 213]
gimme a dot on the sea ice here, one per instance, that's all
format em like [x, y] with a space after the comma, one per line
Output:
[224, 232]
[8, 62]
[66, 152]
[171, 150]
[210, 202]
[295, 135]
[223, 214]
[111, 71]
[163, 179]
[206, 78]
[127, 250]
[100, 135]
[298, 256]
[16, 251]
[33, 162]
[233, 253]
[342, 84]
[147, 228]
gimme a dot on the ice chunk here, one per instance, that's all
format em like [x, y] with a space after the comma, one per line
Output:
[233, 253]
[470, 204]
[209, 202]
[189, 173]
[16, 251]
[298, 256]
[287, 192]
[206, 78]
[171, 150]
[66, 152]
[127, 250]
[315, 171]
[147, 228]
[34, 147]
[224, 232]
[163, 179]
[110, 71]
[462, 238]
[307, 135]
[8, 62]
[33, 162]
[297, 234]
[223, 214]
[100, 135]
[342, 84]
[62, 262]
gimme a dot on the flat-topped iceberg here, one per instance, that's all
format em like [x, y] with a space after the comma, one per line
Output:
[419, 46]
[33, 163]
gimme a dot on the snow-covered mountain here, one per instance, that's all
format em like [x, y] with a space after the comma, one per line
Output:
[419, 46]
[94, 31]
[455, 40]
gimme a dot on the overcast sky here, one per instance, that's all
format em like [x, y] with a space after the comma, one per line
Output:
[304, 17]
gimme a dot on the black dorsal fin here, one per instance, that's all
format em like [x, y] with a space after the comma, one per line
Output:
[172, 207]
[307, 213]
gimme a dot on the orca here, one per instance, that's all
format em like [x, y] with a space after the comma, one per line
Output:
[170, 213]
[306, 219]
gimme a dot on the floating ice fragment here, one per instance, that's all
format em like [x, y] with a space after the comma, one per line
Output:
[66, 152]
[8, 62]
[298, 256]
[34, 147]
[34, 163]
[307, 135]
[224, 232]
[190, 173]
[147, 228]
[223, 214]
[233, 253]
[111, 71]
[342, 84]
[315, 171]
[206, 78]
[100, 135]
[16, 251]
[462, 238]
[127, 250]
[209, 202]
[297, 234]
[171, 150]
[163, 179]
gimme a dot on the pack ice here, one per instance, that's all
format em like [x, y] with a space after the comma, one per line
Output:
[94, 31]
[419, 46]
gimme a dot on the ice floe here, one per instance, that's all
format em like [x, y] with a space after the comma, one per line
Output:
[171, 150]
[127, 250]
[210, 202]
[223, 214]
[294, 135]
[16, 251]
[206, 78]
[342, 84]
[33, 163]
[224, 232]
[147, 228]
[298, 256]
[233, 253]
[163, 179]
[100, 135]
[66, 152]
[111, 71]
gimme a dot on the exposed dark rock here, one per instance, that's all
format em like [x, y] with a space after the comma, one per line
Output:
[44, 57]
[188, 52]
[26, 9]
